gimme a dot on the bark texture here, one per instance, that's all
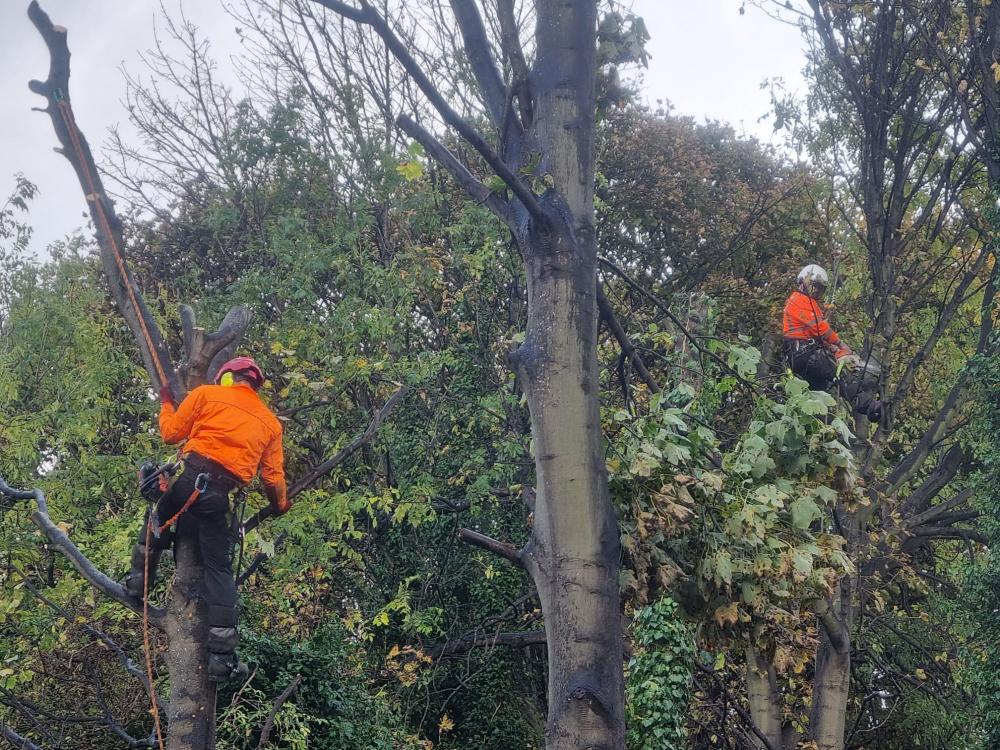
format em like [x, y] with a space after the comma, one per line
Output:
[573, 552]
[544, 122]
[191, 710]
[765, 703]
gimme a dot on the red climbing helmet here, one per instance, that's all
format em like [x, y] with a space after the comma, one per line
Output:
[242, 366]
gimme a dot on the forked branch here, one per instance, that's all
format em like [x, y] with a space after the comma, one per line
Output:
[367, 15]
[59, 540]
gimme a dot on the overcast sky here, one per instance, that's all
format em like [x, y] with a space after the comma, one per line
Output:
[707, 60]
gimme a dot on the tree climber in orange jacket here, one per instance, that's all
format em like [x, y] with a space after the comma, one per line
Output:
[229, 434]
[814, 349]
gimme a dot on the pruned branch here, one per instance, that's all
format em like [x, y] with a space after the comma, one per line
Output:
[60, 541]
[934, 514]
[463, 645]
[507, 551]
[950, 532]
[108, 227]
[204, 353]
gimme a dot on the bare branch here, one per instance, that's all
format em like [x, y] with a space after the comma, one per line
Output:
[477, 49]
[628, 348]
[507, 551]
[60, 541]
[368, 15]
[935, 513]
[514, 52]
[440, 153]
[337, 459]
[265, 733]
[108, 227]
[16, 741]
[463, 645]
[129, 665]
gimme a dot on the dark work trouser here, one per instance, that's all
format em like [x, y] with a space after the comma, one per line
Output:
[811, 361]
[209, 523]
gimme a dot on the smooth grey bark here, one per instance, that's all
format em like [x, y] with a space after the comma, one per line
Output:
[573, 552]
[765, 702]
[572, 555]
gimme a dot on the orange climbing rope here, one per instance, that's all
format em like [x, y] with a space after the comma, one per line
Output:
[146, 647]
[104, 226]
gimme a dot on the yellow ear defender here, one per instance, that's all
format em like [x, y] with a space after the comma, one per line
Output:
[226, 379]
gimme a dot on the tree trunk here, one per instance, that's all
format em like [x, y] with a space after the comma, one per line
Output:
[191, 720]
[832, 677]
[765, 703]
[573, 552]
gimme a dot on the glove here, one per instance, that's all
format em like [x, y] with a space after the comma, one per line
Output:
[278, 497]
[166, 396]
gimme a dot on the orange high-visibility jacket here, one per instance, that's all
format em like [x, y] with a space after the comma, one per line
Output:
[804, 319]
[231, 426]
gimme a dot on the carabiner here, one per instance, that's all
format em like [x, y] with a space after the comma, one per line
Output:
[201, 483]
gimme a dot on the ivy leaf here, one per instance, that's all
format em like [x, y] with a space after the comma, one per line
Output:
[724, 566]
[804, 511]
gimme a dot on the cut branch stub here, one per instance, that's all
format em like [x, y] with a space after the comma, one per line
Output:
[507, 551]
[204, 353]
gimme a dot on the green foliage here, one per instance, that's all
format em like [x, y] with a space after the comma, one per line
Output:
[740, 539]
[659, 678]
[322, 714]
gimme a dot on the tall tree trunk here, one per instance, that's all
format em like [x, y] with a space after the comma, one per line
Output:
[191, 710]
[573, 552]
[191, 720]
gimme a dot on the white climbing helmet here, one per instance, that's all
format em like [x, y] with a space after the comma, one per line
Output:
[813, 275]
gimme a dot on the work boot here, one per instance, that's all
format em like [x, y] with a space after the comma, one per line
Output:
[226, 667]
[133, 581]
[223, 664]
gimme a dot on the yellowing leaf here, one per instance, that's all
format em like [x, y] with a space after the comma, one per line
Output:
[727, 615]
[410, 170]
[446, 724]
